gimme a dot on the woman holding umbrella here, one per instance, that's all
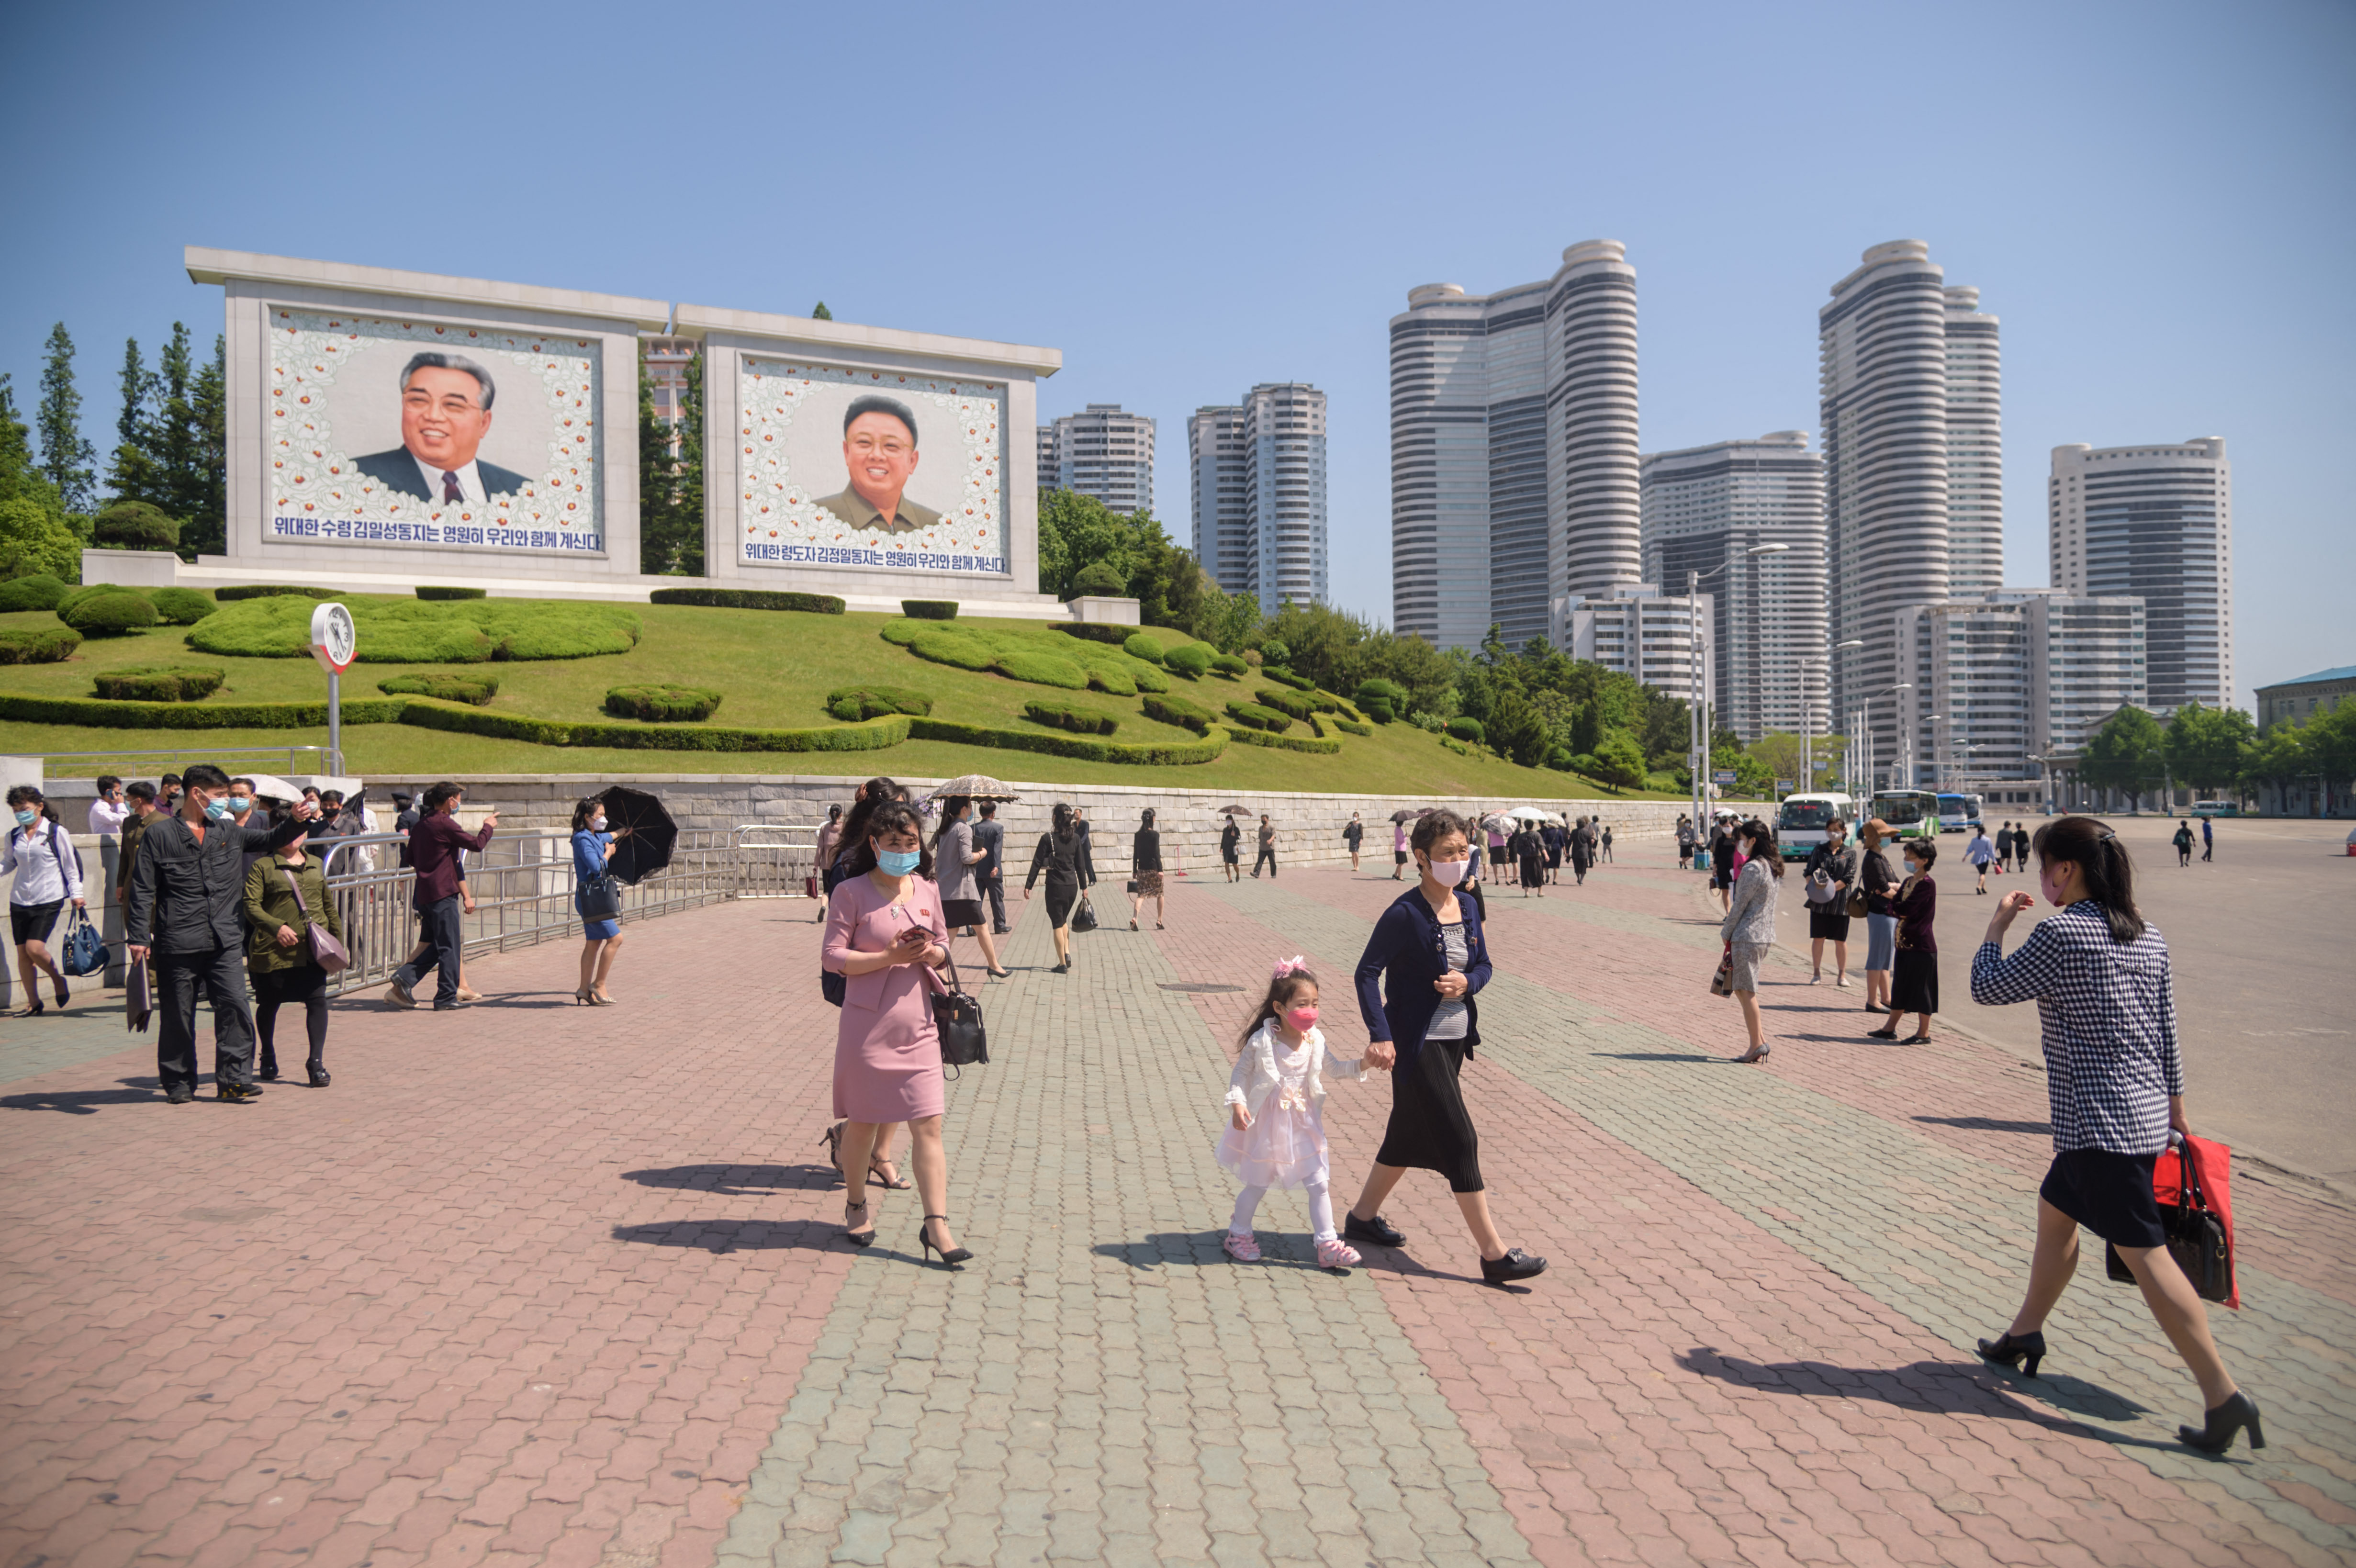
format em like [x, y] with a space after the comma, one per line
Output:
[593, 847]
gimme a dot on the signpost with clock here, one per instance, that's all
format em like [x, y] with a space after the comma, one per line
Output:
[335, 642]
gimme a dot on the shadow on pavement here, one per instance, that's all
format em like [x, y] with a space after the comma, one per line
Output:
[719, 1236]
[738, 1179]
[1984, 1125]
[86, 1101]
[1658, 1056]
[1952, 1388]
[1201, 1248]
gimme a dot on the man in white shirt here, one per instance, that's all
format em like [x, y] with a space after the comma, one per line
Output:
[107, 811]
[445, 412]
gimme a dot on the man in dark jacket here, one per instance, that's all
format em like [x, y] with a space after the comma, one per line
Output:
[434, 847]
[990, 838]
[182, 917]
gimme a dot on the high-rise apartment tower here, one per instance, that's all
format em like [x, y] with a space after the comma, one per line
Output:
[1258, 483]
[1215, 453]
[1100, 451]
[2156, 522]
[1895, 430]
[1705, 509]
[1513, 477]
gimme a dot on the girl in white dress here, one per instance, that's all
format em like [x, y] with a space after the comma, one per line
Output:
[1276, 1114]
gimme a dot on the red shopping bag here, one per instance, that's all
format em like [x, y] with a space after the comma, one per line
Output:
[2199, 1218]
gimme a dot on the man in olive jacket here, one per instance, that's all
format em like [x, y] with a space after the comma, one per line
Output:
[182, 918]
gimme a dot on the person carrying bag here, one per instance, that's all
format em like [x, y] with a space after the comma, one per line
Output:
[293, 942]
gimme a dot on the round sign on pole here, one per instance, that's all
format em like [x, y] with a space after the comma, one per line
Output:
[334, 639]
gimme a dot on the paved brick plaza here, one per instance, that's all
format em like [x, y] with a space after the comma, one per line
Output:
[539, 1284]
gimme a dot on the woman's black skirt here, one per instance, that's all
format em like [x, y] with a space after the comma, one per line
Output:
[1429, 1128]
[2110, 1194]
[1914, 982]
[957, 913]
[1554, 859]
[1061, 897]
[1828, 922]
[1533, 873]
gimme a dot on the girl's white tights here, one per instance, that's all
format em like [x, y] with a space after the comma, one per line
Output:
[1320, 1211]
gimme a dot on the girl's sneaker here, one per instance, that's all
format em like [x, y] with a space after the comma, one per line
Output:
[1243, 1249]
[1337, 1254]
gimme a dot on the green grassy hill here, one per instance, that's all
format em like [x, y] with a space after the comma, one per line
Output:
[775, 670]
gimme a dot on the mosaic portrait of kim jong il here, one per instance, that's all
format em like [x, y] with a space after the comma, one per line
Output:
[879, 453]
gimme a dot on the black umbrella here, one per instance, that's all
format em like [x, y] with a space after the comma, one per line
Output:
[1409, 814]
[649, 833]
[1232, 811]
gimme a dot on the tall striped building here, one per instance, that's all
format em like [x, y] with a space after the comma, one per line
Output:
[1513, 480]
[1258, 481]
[2155, 522]
[1101, 452]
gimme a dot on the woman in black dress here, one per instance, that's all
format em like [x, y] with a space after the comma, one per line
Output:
[1915, 979]
[1832, 867]
[1145, 867]
[1230, 838]
[1058, 856]
[1416, 982]
[1531, 855]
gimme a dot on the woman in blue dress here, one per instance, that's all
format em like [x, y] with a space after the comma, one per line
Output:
[1416, 983]
[592, 847]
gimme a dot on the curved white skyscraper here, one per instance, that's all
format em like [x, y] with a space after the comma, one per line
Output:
[1598, 515]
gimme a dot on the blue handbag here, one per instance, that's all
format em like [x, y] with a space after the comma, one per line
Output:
[85, 954]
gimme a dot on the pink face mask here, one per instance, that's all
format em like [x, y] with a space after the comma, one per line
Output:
[1301, 1019]
[1448, 873]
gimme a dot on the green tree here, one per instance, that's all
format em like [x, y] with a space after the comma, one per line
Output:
[819, 313]
[1586, 728]
[1621, 761]
[66, 457]
[205, 529]
[172, 439]
[2277, 759]
[35, 541]
[2126, 754]
[2204, 745]
[1779, 752]
[670, 477]
[2331, 740]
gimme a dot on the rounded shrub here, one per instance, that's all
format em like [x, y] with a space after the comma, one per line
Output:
[1229, 665]
[1274, 652]
[1290, 702]
[159, 683]
[1192, 661]
[50, 645]
[1178, 710]
[1258, 718]
[1465, 729]
[1093, 630]
[181, 606]
[1381, 700]
[1098, 580]
[662, 704]
[413, 632]
[1286, 677]
[110, 614]
[929, 609]
[1041, 668]
[1064, 716]
[427, 590]
[136, 525]
[474, 689]
[853, 703]
[270, 591]
[958, 650]
[1138, 646]
[39, 592]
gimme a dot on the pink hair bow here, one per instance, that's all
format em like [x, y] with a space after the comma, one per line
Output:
[1287, 966]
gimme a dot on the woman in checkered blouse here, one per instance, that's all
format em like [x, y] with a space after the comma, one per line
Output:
[2099, 975]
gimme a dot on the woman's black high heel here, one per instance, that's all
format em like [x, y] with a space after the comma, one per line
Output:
[2217, 1436]
[832, 1140]
[955, 1255]
[857, 1238]
[319, 1079]
[2011, 1349]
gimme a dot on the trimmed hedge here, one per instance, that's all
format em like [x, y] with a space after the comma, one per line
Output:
[853, 703]
[1298, 682]
[474, 689]
[1138, 646]
[102, 714]
[40, 591]
[1042, 669]
[1316, 727]
[1192, 661]
[427, 590]
[1157, 753]
[1178, 711]
[1093, 630]
[1351, 726]
[871, 736]
[929, 609]
[1382, 700]
[414, 630]
[1229, 665]
[159, 683]
[958, 650]
[1291, 702]
[181, 606]
[662, 704]
[270, 590]
[1064, 716]
[1253, 715]
[1286, 742]
[1465, 728]
[749, 599]
[110, 614]
[50, 645]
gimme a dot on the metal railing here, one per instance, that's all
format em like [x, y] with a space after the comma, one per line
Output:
[522, 884]
[180, 753]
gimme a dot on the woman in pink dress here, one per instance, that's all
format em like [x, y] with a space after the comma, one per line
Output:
[884, 934]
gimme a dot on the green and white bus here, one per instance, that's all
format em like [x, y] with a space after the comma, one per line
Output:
[1910, 813]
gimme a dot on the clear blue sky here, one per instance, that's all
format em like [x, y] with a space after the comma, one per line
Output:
[2157, 199]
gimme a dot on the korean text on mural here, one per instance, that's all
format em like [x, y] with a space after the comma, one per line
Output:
[355, 530]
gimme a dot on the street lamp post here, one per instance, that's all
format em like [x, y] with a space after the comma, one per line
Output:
[1697, 729]
[1865, 728]
[1808, 710]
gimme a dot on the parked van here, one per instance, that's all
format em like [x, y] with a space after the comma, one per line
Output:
[1801, 826]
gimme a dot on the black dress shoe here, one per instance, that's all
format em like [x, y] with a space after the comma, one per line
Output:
[2228, 1419]
[239, 1093]
[1515, 1264]
[318, 1076]
[269, 1072]
[178, 1094]
[1379, 1231]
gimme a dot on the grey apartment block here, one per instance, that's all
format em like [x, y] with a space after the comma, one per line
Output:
[1910, 397]
[1101, 452]
[2156, 522]
[1705, 508]
[1514, 463]
[1259, 485]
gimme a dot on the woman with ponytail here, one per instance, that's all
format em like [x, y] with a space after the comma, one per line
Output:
[2099, 975]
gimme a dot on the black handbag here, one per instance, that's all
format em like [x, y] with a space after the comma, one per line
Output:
[957, 1019]
[601, 897]
[1085, 917]
[2196, 1237]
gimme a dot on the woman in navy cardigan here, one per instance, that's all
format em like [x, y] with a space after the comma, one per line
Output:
[1428, 955]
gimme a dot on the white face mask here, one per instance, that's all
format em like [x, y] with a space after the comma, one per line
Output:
[1448, 873]
[596, 825]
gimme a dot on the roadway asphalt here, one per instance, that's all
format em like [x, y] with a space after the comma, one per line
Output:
[2260, 938]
